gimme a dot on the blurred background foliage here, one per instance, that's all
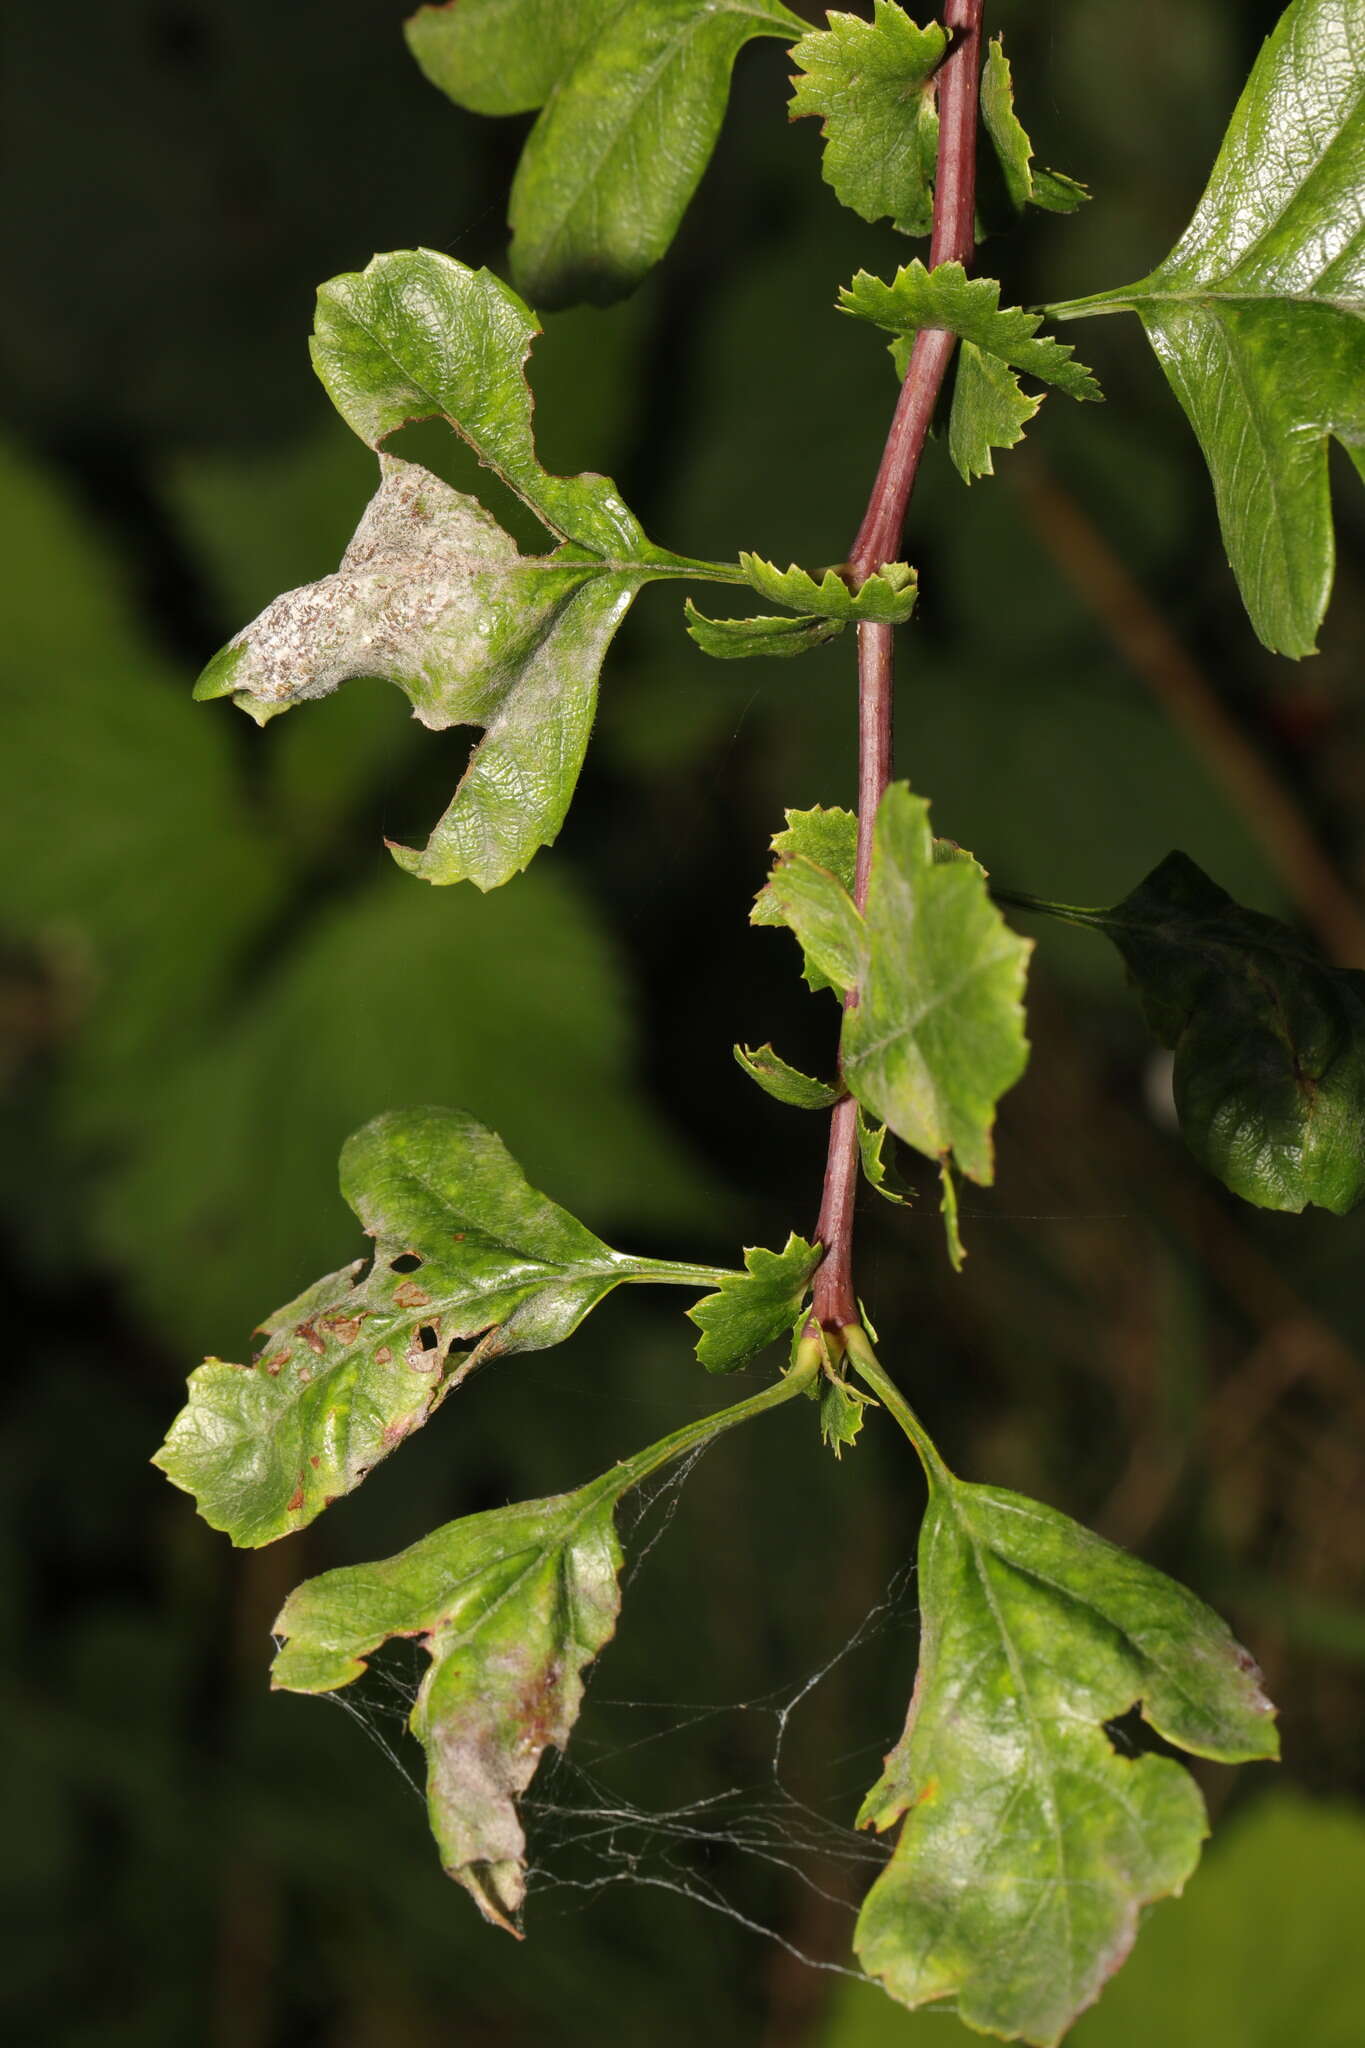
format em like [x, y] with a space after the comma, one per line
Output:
[210, 973]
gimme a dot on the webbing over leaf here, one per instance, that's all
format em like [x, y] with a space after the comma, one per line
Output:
[510, 1606]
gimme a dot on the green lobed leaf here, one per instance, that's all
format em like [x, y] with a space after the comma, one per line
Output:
[1013, 150]
[828, 837]
[872, 84]
[466, 1252]
[969, 307]
[510, 1606]
[1257, 316]
[878, 1171]
[841, 1413]
[431, 593]
[738, 639]
[824, 917]
[1028, 1846]
[937, 1033]
[1269, 1038]
[888, 596]
[1203, 1972]
[633, 94]
[989, 410]
[784, 1083]
[751, 1310]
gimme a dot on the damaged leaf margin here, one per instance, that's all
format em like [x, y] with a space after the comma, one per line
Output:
[510, 1606]
[467, 1254]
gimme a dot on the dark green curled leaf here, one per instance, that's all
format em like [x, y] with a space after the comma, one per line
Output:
[872, 85]
[431, 593]
[1028, 1845]
[1269, 1038]
[784, 1083]
[510, 1606]
[752, 1309]
[467, 1253]
[739, 639]
[632, 94]
[1257, 316]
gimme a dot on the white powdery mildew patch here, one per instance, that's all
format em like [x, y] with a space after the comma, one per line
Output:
[414, 579]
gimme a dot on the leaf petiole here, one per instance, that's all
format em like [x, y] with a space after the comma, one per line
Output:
[858, 1350]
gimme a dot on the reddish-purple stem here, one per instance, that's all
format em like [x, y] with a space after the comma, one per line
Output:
[835, 1302]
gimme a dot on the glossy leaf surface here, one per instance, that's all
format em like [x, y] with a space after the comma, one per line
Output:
[937, 1034]
[633, 94]
[969, 307]
[466, 1252]
[1257, 316]
[871, 82]
[1028, 1845]
[752, 1309]
[1269, 1038]
[785, 1083]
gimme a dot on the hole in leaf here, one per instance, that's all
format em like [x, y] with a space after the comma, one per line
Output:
[427, 1337]
[1130, 1736]
[406, 1262]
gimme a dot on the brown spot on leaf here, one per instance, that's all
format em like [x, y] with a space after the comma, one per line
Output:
[310, 1337]
[344, 1328]
[274, 1362]
[927, 1793]
[296, 1500]
[383, 1356]
[410, 1295]
[315, 1462]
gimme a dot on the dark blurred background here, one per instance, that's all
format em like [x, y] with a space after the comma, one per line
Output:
[210, 972]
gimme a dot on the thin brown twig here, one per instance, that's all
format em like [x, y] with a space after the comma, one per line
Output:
[1104, 582]
[835, 1301]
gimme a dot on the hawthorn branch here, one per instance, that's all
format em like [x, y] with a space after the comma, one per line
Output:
[835, 1302]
